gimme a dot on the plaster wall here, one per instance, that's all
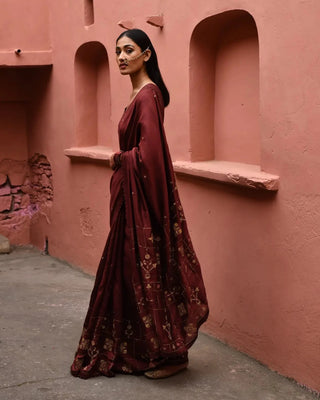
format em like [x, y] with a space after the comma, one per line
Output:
[24, 24]
[13, 129]
[259, 251]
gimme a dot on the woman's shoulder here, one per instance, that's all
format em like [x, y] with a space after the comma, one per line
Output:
[148, 92]
[149, 89]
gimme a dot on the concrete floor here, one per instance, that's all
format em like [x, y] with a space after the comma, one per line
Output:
[43, 303]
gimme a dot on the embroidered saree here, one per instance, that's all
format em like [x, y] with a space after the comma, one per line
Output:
[148, 300]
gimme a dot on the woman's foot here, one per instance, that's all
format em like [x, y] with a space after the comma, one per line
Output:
[165, 371]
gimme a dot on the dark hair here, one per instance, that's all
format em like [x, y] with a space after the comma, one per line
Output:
[143, 41]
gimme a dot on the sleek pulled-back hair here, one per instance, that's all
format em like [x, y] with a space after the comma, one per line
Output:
[152, 67]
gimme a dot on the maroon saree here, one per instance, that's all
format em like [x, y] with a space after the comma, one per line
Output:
[149, 299]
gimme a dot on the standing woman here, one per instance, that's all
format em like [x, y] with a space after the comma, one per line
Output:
[149, 299]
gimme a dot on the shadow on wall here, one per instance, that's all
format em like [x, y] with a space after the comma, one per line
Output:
[26, 189]
[92, 95]
[88, 12]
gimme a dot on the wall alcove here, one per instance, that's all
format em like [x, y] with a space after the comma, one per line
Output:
[224, 89]
[26, 183]
[88, 12]
[92, 95]
[225, 141]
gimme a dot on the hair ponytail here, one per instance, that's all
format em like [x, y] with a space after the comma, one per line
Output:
[152, 67]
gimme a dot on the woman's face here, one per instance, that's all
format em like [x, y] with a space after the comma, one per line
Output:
[130, 57]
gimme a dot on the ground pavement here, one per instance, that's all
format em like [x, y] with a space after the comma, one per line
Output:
[43, 302]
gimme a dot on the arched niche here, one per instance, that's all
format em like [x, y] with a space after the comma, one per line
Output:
[224, 89]
[88, 12]
[92, 95]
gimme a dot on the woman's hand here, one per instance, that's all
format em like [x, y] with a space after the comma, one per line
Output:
[115, 160]
[112, 163]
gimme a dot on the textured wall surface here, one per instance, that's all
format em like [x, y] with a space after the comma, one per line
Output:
[26, 191]
[259, 251]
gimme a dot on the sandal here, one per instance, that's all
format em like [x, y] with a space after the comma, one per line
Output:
[165, 371]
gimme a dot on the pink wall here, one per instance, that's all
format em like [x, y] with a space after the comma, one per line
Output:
[24, 24]
[13, 130]
[244, 82]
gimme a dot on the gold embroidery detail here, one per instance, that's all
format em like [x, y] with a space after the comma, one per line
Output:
[194, 296]
[190, 329]
[167, 328]
[141, 302]
[108, 344]
[129, 330]
[124, 348]
[93, 352]
[103, 367]
[155, 343]
[182, 309]
[177, 229]
[127, 369]
[78, 363]
[147, 265]
[84, 344]
[147, 321]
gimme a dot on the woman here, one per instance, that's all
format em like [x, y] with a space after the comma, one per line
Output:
[148, 299]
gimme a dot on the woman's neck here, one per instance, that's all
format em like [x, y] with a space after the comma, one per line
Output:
[138, 81]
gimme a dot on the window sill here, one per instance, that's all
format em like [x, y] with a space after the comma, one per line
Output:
[26, 58]
[93, 153]
[239, 174]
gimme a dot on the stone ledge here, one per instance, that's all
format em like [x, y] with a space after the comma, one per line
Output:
[26, 58]
[239, 174]
[94, 153]
[245, 175]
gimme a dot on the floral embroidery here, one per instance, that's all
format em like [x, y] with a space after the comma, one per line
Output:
[147, 321]
[104, 366]
[93, 352]
[190, 329]
[108, 344]
[148, 266]
[84, 344]
[194, 296]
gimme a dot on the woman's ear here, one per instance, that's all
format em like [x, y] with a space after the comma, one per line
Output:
[147, 55]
